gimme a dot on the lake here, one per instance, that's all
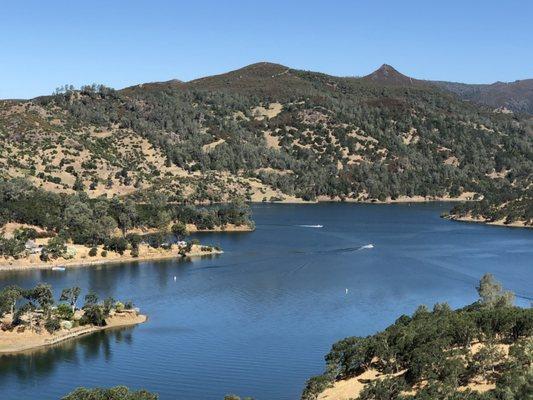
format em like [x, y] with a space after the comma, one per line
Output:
[258, 320]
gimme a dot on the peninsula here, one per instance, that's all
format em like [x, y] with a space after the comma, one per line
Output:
[29, 318]
[482, 351]
[42, 229]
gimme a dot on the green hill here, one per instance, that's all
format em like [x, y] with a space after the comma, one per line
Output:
[480, 352]
[268, 132]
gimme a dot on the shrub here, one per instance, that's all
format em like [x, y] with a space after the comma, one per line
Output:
[117, 244]
[135, 252]
[108, 306]
[93, 315]
[179, 230]
[134, 239]
[55, 248]
[104, 253]
[64, 311]
[315, 385]
[52, 325]
[11, 247]
[93, 252]
[115, 393]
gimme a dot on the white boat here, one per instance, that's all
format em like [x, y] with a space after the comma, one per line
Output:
[58, 268]
[312, 226]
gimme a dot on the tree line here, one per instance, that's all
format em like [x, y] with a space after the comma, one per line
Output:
[102, 221]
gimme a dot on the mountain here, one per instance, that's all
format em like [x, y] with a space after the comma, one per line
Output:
[514, 96]
[503, 97]
[387, 75]
[268, 132]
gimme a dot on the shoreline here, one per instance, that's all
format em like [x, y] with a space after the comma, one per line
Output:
[33, 341]
[229, 228]
[113, 258]
[467, 196]
[501, 223]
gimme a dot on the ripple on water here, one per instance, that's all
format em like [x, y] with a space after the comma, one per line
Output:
[258, 320]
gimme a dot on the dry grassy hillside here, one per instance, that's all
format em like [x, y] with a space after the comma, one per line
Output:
[269, 132]
[41, 145]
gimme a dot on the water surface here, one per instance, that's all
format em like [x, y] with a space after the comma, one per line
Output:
[258, 319]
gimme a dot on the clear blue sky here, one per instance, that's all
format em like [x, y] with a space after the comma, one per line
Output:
[44, 44]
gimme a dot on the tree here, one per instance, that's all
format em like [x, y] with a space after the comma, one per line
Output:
[23, 310]
[71, 296]
[491, 293]
[12, 247]
[109, 302]
[42, 294]
[179, 230]
[486, 359]
[116, 244]
[64, 311]
[8, 299]
[115, 393]
[125, 213]
[52, 324]
[79, 219]
[93, 314]
[91, 298]
[25, 234]
[382, 389]
[78, 185]
[55, 248]
[134, 240]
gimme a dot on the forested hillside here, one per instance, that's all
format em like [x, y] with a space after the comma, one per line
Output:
[481, 352]
[268, 132]
[514, 96]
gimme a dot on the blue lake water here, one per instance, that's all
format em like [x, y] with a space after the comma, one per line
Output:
[258, 319]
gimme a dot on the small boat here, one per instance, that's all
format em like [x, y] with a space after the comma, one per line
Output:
[58, 268]
[312, 226]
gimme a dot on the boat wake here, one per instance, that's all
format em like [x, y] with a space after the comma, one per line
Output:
[311, 226]
[350, 249]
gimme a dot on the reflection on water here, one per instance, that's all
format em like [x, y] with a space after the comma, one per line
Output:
[42, 362]
[258, 319]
